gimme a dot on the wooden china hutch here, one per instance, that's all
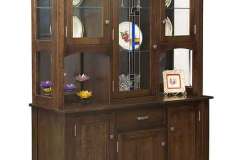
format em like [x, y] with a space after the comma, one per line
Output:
[117, 50]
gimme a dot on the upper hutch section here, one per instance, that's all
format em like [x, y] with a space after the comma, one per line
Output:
[99, 51]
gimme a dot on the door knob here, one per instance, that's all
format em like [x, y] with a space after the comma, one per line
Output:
[172, 128]
[163, 144]
[111, 136]
[107, 21]
[155, 46]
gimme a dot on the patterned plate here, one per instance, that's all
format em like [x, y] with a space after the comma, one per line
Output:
[125, 36]
[76, 3]
[77, 27]
[168, 3]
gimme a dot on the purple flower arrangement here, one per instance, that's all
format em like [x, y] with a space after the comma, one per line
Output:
[46, 84]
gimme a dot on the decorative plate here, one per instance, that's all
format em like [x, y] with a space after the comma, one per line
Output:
[168, 27]
[76, 3]
[168, 3]
[77, 27]
[126, 36]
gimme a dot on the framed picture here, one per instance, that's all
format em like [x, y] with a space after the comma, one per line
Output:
[174, 82]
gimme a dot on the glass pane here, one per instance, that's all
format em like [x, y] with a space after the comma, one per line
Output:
[44, 3]
[181, 22]
[179, 59]
[45, 83]
[86, 77]
[177, 21]
[182, 3]
[44, 26]
[87, 18]
[134, 38]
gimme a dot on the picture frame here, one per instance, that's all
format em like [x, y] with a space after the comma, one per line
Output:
[174, 82]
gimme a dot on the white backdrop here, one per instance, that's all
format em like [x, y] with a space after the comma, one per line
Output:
[221, 78]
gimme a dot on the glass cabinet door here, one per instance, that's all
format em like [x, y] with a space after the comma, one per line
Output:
[133, 46]
[44, 74]
[176, 19]
[44, 19]
[89, 20]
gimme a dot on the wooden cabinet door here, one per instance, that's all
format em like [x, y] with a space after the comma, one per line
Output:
[89, 140]
[181, 133]
[142, 145]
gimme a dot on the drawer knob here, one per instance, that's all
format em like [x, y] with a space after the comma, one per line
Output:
[172, 128]
[142, 118]
[163, 144]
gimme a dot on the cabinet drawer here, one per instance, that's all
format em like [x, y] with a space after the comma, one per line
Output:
[140, 119]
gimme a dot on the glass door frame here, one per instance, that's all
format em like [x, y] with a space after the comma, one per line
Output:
[116, 94]
[107, 23]
[161, 25]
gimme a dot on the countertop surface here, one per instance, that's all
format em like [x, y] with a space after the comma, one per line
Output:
[125, 104]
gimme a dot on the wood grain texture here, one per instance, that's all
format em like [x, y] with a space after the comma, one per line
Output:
[89, 138]
[108, 129]
[182, 133]
[50, 136]
[142, 145]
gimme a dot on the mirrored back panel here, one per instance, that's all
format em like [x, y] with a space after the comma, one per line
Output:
[86, 77]
[179, 59]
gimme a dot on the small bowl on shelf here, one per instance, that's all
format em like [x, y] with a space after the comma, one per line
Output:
[85, 96]
[69, 88]
[46, 84]
[47, 91]
[46, 87]
[82, 78]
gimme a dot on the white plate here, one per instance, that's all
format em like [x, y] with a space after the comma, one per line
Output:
[167, 3]
[76, 3]
[168, 27]
[125, 36]
[77, 27]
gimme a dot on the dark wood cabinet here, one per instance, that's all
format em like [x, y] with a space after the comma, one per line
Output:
[98, 80]
[89, 138]
[182, 123]
[142, 145]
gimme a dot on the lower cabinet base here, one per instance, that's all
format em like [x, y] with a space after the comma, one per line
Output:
[177, 131]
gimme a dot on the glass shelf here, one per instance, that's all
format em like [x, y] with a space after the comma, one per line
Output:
[44, 7]
[87, 7]
[171, 8]
[137, 8]
[135, 52]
